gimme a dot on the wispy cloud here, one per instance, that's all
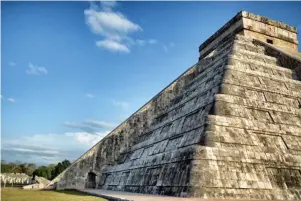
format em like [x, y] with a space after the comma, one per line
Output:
[11, 63]
[113, 46]
[36, 70]
[31, 151]
[12, 100]
[49, 148]
[113, 26]
[89, 95]
[124, 105]
[145, 42]
[90, 126]
[84, 128]
[168, 46]
[99, 124]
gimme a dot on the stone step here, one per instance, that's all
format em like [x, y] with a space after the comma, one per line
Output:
[252, 93]
[251, 82]
[248, 134]
[263, 115]
[170, 156]
[236, 43]
[254, 125]
[186, 107]
[291, 84]
[245, 55]
[206, 85]
[257, 104]
[248, 46]
[261, 67]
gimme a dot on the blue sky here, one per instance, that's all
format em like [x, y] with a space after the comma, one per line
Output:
[72, 71]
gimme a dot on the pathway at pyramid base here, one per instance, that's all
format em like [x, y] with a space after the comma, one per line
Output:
[229, 127]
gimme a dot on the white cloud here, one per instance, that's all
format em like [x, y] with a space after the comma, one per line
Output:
[36, 70]
[12, 63]
[88, 138]
[124, 105]
[113, 46]
[90, 95]
[113, 26]
[109, 24]
[12, 100]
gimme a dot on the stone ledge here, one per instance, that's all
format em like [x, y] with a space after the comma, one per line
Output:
[255, 104]
[127, 196]
[265, 20]
[243, 21]
[264, 88]
[263, 75]
[253, 125]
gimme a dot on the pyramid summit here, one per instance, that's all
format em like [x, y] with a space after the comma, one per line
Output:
[228, 127]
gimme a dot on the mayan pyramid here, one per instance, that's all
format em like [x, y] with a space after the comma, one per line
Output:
[228, 127]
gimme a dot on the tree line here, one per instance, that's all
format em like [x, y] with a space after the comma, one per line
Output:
[49, 172]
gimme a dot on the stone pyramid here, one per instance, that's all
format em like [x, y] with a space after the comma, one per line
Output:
[228, 127]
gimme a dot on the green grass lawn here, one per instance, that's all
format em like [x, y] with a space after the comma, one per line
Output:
[18, 194]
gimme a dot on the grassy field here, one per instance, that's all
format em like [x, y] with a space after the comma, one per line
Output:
[18, 194]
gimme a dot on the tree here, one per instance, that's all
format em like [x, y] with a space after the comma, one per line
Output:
[48, 172]
[17, 167]
[30, 168]
[59, 168]
[43, 171]
[51, 171]
[6, 168]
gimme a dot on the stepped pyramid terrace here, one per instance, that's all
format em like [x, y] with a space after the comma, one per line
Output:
[228, 127]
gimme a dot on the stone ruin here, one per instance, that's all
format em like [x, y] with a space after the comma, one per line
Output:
[17, 179]
[228, 127]
[22, 179]
[39, 183]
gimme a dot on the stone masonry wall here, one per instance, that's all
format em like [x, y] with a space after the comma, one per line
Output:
[229, 127]
[113, 149]
[255, 131]
[161, 160]
[176, 115]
